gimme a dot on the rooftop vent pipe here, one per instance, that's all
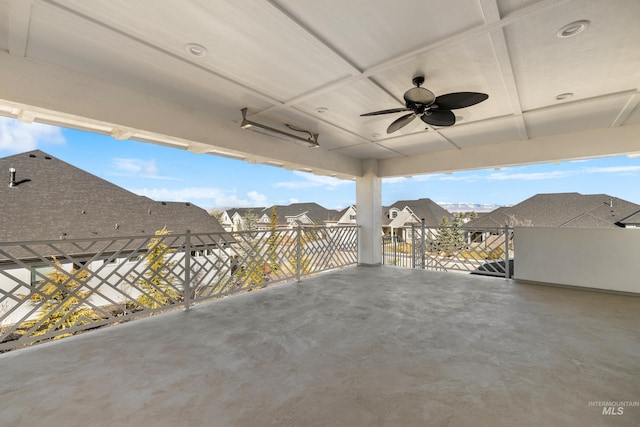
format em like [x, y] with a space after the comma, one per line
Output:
[12, 177]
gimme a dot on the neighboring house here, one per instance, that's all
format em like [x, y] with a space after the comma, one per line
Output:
[564, 210]
[560, 210]
[234, 219]
[347, 216]
[632, 221]
[48, 199]
[398, 218]
[288, 216]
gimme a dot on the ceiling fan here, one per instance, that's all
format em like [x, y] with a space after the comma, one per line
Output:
[435, 111]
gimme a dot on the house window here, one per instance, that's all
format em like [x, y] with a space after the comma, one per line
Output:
[135, 258]
[39, 274]
[352, 217]
[79, 265]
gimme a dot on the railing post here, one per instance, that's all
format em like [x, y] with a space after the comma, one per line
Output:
[395, 249]
[507, 268]
[423, 246]
[298, 252]
[413, 246]
[186, 287]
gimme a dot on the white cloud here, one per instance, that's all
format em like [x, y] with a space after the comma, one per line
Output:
[403, 179]
[293, 200]
[462, 178]
[205, 196]
[141, 167]
[255, 199]
[138, 168]
[532, 176]
[17, 137]
[614, 169]
[310, 180]
[395, 180]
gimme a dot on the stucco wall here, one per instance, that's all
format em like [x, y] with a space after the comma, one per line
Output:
[593, 258]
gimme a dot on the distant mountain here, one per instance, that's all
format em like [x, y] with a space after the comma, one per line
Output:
[468, 207]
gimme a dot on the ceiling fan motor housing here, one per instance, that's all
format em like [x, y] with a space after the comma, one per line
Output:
[419, 95]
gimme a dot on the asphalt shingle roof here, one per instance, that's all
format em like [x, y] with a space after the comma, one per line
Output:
[633, 219]
[561, 210]
[317, 213]
[55, 200]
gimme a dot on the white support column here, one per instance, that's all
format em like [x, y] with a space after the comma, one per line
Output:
[369, 214]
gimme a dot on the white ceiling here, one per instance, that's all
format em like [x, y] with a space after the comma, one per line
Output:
[121, 67]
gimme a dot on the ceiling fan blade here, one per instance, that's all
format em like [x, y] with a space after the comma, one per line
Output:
[452, 101]
[439, 118]
[393, 110]
[401, 122]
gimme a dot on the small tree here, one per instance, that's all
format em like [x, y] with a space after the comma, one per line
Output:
[61, 302]
[250, 221]
[216, 213]
[158, 281]
[450, 236]
[512, 222]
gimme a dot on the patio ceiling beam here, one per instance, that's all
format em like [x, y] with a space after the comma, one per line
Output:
[66, 98]
[585, 144]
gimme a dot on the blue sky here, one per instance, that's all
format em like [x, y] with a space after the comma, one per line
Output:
[169, 174]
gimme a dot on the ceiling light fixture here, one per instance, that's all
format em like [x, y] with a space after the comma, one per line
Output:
[563, 96]
[572, 29]
[322, 110]
[312, 141]
[196, 49]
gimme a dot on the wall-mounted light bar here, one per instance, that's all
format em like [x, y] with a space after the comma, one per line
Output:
[312, 141]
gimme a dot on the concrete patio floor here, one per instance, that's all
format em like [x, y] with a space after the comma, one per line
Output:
[363, 346]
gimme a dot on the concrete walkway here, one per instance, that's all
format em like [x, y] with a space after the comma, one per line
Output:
[375, 346]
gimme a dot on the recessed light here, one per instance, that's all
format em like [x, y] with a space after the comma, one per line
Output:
[196, 49]
[572, 29]
[322, 110]
[565, 95]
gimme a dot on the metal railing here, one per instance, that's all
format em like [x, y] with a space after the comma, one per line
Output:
[51, 289]
[485, 251]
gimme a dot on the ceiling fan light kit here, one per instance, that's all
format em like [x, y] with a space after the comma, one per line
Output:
[311, 142]
[433, 110]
